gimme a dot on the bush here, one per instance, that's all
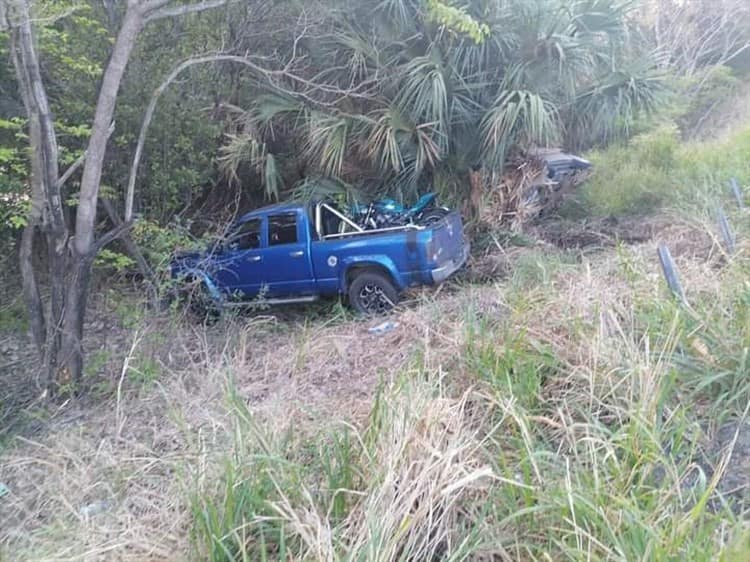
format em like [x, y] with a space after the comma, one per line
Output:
[655, 169]
[634, 177]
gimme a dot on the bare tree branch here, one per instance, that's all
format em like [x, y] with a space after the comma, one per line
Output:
[272, 76]
[109, 237]
[71, 170]
[185, 9]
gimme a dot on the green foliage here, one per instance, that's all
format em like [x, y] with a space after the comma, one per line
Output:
[456, 19]
[246, 149]
[514, 366]
[494, 77]
[636, 177]
[655, 168]
[144, 371]
[95, 362]
[159, 243]
[534, 269]
[110, 259]
[701, 94]
[13, 316]
[713, 355]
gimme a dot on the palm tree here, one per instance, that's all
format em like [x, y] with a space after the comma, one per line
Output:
[457, 87]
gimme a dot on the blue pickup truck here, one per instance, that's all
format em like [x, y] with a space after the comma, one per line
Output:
[292, 253]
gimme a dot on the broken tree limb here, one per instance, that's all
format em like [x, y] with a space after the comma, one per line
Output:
[185, 9]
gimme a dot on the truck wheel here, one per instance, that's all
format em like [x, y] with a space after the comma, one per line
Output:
[432, 216]
[372, 293]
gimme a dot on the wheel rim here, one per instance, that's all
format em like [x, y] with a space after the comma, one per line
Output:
[374, 300]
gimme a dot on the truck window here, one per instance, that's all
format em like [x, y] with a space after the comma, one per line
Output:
[282, 229]
[246, 237]
[331, 223]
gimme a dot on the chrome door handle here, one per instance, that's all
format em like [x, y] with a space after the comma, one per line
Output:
[297, 254]
[254, 258]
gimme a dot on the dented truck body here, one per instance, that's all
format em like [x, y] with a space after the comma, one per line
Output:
[298, 253]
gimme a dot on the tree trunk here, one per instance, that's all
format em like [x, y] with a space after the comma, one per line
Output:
[105, 108]
[47, 209]
[31, 295]
[30, 283]
[58, 335]
[70, 354]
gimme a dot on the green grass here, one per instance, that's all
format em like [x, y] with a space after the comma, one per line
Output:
[555, 435]
[655, 169]
[13, 316]
[534, 457]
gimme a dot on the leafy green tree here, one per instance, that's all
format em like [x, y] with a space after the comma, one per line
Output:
[72, 239]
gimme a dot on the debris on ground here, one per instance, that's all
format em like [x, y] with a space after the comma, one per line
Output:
[384, 328]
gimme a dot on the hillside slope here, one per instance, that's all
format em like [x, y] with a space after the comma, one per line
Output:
[571, 406]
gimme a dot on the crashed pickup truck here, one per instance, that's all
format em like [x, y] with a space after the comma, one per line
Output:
[295, 253]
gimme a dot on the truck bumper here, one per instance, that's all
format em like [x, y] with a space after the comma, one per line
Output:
[450, 267]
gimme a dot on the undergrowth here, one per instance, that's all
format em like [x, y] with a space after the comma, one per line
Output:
[655, 169]
[587, 441]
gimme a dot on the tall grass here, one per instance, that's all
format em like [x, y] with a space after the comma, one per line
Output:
[575, 425]
[656, 169]
[534, 457]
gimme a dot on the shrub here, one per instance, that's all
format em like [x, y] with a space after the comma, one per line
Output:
[654, 169]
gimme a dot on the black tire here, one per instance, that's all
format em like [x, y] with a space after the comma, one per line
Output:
[372, 293]
[432, 216]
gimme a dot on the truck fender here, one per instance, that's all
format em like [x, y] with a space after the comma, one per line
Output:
[205, 279]
[378, 262]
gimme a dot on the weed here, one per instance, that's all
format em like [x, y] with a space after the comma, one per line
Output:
[95, 362]
[514, 366]
[13, 316]
[655, 169]
[534, 268]
[144, 371]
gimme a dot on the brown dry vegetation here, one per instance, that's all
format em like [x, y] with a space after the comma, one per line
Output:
[114, 480]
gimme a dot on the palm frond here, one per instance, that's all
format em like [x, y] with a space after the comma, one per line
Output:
[604, 18]
[516, 117]
[403, 13]
[323, 187]
[327, 141]
[384, 143]
[429, 152]
[245, 149]
[607, 110]
[270, 106]
[424, 95]
[272, 177]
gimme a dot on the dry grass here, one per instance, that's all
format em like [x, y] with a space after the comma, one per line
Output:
[456, 441]
[127, 456]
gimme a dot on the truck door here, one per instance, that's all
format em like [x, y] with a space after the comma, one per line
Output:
[287, 268]
[237, 267]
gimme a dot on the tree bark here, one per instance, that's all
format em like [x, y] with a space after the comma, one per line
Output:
[47, 207]
[58, 335]
[105, 107]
